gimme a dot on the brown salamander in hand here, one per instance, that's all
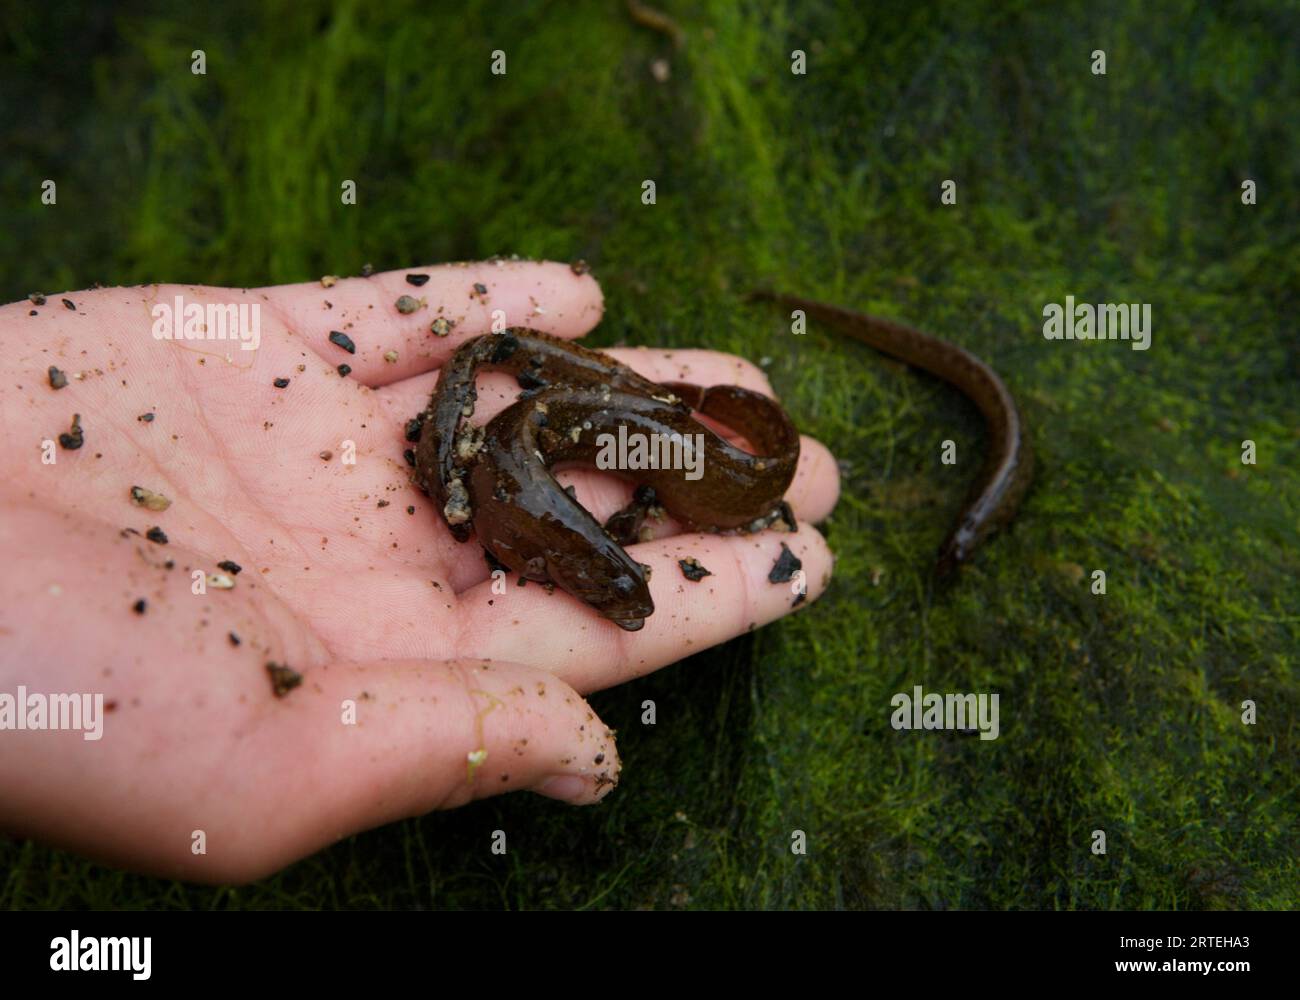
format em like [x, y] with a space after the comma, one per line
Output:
[576, 402]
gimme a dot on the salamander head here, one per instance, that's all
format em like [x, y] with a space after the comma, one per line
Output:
[610, 581]
[955, 550]
[632, 605]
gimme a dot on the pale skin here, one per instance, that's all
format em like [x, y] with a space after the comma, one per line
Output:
[458, 691]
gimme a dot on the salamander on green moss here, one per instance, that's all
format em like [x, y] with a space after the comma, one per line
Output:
[1008, 470]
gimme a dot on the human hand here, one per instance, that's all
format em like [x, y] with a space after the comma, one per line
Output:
[456, 692]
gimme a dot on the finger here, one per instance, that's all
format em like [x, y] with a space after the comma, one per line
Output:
[409, 396]
[353, 747]
[559, 633]
[544, 295]
[426, 736]
[696, 365]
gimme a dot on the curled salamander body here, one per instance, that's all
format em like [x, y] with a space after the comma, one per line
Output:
[996, 492]
[498, 478]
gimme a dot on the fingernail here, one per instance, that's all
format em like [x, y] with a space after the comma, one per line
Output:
[565, 787]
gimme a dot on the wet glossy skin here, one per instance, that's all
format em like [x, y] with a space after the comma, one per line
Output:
[498, 479]
[996, 493]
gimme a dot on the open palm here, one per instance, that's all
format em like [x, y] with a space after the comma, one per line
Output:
[424, 683]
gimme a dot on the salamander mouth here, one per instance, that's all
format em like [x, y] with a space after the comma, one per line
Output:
[628, 616]
[954, 553]
[947, 563]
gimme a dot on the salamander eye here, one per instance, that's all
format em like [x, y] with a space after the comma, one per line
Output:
[624, 586]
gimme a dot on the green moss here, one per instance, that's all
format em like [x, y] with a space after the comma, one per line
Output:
[1119, 712]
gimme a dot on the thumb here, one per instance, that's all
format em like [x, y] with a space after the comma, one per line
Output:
[368, 744]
